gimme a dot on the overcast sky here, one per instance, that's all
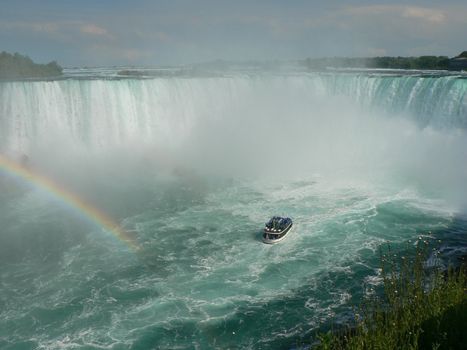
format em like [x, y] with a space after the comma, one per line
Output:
[143, 32]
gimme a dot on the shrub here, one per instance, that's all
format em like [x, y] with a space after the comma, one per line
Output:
[421, 308]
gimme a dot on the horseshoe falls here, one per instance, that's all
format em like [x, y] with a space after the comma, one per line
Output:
[189, 168]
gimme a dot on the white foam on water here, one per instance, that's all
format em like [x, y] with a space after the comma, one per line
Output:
[194, 167]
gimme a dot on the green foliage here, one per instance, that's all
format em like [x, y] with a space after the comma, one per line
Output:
[18, 66]
[386, 62]
[421, 308]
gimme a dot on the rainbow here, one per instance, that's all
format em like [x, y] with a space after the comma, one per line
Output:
[68, 198]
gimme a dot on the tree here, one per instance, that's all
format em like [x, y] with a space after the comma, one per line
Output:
[19, 66]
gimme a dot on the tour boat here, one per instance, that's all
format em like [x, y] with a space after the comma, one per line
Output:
[276, 229]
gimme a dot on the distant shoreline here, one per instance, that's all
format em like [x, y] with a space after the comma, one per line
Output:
[388, 62]
[16, 66]
[19, 67]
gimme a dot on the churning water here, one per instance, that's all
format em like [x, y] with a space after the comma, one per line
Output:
[191, 168]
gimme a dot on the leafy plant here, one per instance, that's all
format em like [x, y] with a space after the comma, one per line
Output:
[421, 307]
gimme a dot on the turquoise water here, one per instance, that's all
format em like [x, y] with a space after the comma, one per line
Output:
[192, 168]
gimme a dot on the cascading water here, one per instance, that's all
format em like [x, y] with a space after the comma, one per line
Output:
[191, 168]
[96, 113]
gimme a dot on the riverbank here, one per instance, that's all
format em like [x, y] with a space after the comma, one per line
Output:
[458, 62]
[421, 307]
[16, 66]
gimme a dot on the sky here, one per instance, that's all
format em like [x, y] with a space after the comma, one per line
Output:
[173, 32]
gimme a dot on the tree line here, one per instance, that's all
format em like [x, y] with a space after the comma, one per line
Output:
[385, 62]
[19, 66]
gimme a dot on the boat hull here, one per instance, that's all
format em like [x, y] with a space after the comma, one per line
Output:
[270, 237]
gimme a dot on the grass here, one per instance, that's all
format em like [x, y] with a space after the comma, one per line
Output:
[420, 307]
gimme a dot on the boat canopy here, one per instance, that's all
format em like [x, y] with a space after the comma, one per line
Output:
[278, 223]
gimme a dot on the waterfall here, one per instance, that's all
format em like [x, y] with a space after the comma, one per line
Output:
[99, 113]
